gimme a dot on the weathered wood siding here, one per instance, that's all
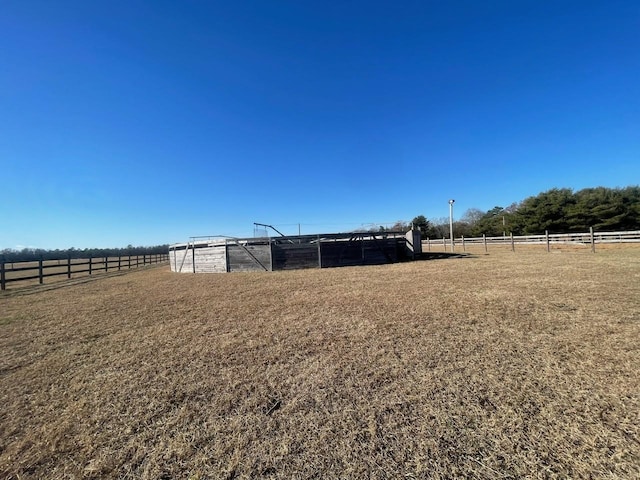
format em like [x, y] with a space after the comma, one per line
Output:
[211, 259]
[249, 258]
[359, 252]
[180, 263]
[295, 256]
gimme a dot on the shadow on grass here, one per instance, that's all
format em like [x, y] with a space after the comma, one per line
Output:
[441, 256]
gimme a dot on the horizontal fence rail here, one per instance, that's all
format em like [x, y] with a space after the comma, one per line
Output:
[11, 272]
[587, 239]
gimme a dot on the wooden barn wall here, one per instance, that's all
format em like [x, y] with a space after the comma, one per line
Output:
[181, 260]
[240, 261]
[211, 259]
[359, 252]
[295, 256]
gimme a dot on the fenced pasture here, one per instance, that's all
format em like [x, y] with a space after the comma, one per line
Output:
[587, 241]
[25, 273]
[478, 366]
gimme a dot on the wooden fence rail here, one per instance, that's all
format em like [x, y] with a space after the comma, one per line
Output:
[588, 239]
[41, 269]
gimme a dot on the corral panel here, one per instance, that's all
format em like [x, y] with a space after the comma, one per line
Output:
[249, 258]
[294, 256]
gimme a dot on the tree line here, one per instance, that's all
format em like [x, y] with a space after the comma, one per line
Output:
[32, 254]
[559, 210]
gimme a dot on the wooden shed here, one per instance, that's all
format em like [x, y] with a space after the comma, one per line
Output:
[219, 255]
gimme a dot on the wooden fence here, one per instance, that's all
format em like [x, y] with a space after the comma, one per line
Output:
[548, 240]
[11, 272]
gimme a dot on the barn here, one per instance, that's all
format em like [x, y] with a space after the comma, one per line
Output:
[226, 254]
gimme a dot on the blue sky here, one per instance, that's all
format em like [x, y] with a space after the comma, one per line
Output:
[129, 122]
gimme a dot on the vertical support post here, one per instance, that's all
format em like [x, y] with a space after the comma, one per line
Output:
[193, 256]
[144, 259]
[226, 254]
[119, 261]
[463, 247]
[106, 264]
[270, 255]
[444, 243]
[68, 265]
[484, 240]
[137, 261]
[40, 275]
[429, 243]
[513, 245]
[90, 264]
[593, 240]
[546, 236]
[319, 253]
[3, 279]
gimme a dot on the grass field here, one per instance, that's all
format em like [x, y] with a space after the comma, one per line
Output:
[489, 366]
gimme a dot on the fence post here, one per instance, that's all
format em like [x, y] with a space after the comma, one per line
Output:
[90, 264]
[593, 240]
[137, 261]
[40, 276]
[513, 245]
[68, 265]
[444, 243]
[144, 259]
[119, 261]
[106, 264]
[3, 280]
[546, 236]
[463, 247]
[484, 240]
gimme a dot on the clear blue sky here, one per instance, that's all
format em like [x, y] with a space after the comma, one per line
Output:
[130, 122]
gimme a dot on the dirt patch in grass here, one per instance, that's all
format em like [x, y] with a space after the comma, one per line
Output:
[489, 366]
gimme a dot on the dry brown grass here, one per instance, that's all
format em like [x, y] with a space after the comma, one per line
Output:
[493, 366]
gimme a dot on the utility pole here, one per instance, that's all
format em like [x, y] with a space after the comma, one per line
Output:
[451, 224]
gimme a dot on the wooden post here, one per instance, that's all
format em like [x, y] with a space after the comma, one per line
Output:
[546, 236]
[463, 247]
[270, 255]
[319, 253]
[444, 243]
[90, 264]
[68, 265]
[106, 264]
[193, 256]
[593, 240]
[144, 259]
[513, 245]
[119, 261]
[137, 261]
[484, 240]
[3, 279]
[226, 256]
[40, 276]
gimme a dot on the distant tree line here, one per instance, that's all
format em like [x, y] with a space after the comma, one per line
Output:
[559, 210]
[31, 254]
